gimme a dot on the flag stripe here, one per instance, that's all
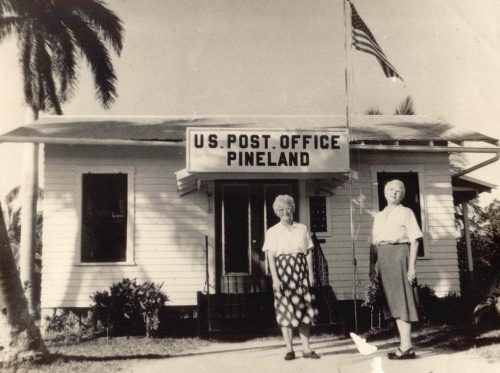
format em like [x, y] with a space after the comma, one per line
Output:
[360, 47]
[364, 41]
[358, 35]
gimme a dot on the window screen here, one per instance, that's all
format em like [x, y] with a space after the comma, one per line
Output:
[104, 218]
[318, 214]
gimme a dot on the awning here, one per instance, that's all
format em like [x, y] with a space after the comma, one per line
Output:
[466, 188]
[189, 182]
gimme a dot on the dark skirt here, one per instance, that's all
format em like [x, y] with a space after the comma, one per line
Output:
[294, 303]
[401, 296]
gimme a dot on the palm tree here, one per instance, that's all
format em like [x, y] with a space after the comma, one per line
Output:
[373, 111]
[20, 338]
[50, 34]
[406, 107]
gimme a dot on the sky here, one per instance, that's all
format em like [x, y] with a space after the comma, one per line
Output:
[216, 57]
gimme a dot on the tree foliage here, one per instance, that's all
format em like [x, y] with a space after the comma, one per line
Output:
[51, 36]
[485, 239]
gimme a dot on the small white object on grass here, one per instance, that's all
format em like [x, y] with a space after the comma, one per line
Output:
[363, 347]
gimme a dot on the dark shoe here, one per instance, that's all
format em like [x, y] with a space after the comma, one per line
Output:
[310, 355]
[403, 355]
[290, 355]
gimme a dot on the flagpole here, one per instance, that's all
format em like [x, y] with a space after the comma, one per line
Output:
[347, 48]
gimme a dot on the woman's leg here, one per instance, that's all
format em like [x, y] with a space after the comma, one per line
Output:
[304, 331]
[404, 328]
[288, 337]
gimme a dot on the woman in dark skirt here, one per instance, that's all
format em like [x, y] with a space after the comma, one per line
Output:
[289, 248]
[394, 245]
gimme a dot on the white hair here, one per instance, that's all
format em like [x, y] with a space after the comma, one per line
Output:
[281, 201]
[398, 182]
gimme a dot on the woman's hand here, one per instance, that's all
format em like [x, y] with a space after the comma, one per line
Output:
[411, 274]
[277, 285]
[312, 280]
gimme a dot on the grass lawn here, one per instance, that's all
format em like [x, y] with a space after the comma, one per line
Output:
[113, 355]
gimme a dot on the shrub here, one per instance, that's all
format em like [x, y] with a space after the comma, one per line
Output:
[66, 326]
[128, 308]
[374, 300]
[427, 300]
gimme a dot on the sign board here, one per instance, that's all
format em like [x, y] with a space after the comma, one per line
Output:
[266, 150]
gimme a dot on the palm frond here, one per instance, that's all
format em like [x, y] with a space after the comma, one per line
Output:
[373, 111]
[406, 107]
[10, 6]
[98, 57]
[101, 19]
[9, 26]
[61, 44]
[29, 75]
[50, 34]
[43, 64]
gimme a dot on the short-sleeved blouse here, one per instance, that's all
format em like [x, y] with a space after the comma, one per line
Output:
[396, 225]
[293, 239]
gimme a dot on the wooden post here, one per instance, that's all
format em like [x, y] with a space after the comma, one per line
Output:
[468, 245]
[27, 247]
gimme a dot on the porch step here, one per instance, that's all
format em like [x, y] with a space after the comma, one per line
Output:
[255, 311]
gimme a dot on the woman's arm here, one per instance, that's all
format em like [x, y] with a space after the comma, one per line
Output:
[310, 267]
[412, 261]
[373, 261]
[274, 274]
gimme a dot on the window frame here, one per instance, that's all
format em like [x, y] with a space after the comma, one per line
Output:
[419, 169]
[328, 211]
[129, 250]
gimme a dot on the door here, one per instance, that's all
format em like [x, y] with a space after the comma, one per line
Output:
[243, 213]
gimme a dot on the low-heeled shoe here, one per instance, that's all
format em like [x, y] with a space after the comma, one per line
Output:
[403, 355]
[290, 355]
[310, 355]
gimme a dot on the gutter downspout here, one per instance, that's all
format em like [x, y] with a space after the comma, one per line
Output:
[478, 166]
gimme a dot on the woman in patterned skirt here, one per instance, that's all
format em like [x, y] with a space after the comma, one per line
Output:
[289, 248]
[394, 244]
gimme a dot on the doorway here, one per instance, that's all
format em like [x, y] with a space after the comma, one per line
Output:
[243, 212]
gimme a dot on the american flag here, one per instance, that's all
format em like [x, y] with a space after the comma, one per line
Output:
[364, 41]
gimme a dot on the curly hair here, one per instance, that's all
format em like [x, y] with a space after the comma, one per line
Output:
[283, 200]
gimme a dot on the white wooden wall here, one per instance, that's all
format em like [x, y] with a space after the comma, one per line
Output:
[440, 267]
[169, 229]
[169, 245]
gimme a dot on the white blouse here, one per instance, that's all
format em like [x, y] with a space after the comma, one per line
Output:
[395, 225]
[293, 239]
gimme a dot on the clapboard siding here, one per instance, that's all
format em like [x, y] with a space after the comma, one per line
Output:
[169, 228]
[440, 267]
[169, 244]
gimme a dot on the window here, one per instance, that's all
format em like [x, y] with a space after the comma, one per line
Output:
[318, 214]
[105, 218]
[411, 198]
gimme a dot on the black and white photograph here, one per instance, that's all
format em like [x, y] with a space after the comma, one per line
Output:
[250, 186]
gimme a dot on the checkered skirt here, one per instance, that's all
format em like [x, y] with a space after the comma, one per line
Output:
[294, 303]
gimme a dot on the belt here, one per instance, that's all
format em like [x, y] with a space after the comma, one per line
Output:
[393, 243]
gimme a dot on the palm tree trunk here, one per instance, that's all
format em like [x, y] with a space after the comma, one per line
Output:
[29, 199]
[20, 338]
[27, 249]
